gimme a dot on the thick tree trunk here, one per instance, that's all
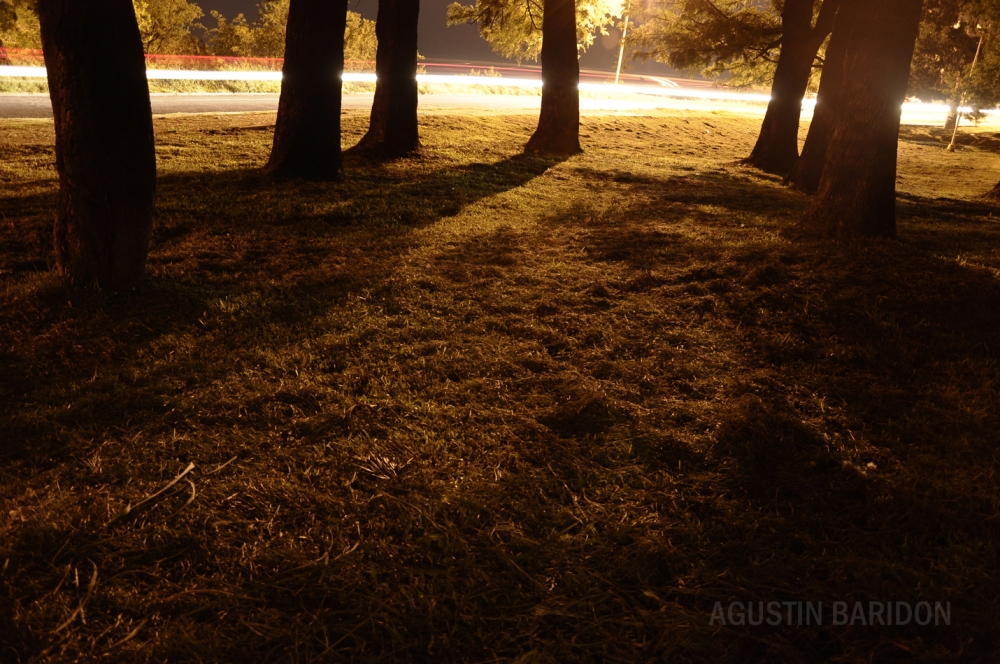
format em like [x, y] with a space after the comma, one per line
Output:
[307, 131]
[809, 166]
[558, 129]
[104, 140]
[857, 190]
[392, 131]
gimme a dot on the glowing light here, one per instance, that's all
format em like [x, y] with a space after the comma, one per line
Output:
[445, 79]
[22, 72]
[627, 96]
[211, 75]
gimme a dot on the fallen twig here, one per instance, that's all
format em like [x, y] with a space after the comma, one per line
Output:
[128, 637]
[83, 602]
[132, 510]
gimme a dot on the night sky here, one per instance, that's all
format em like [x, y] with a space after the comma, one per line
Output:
[439, 42]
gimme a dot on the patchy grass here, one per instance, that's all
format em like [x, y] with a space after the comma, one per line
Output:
[473, 406]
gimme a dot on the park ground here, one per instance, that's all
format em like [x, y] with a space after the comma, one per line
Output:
[475, 406]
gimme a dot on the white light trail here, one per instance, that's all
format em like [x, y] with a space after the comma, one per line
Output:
[22, 72]
[913, 112]
[445, 79]
[211, 75]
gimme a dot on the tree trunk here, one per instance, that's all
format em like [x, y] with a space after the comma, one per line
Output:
[104, 140]
[558, 129]
[857, 190]
[392, 131]
[307, 131]
[806, 173]
[949, 121]
[777, 146]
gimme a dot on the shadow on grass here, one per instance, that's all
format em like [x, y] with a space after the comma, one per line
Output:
[297, 247]
[401, 193]
[866, 408]
[565, 529]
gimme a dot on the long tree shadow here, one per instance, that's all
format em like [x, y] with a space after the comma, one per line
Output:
[898, 344]
[378, 195]
[294, 248]
[781, 505]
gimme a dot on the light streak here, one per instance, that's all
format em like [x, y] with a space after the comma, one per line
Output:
[22, 72]
[443, 79]
[211, 75]
[913, 111]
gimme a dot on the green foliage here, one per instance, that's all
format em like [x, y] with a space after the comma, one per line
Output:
[166, 25]
[981, 87]
[231, 38]
[945, 49]
[19, 24]
[360, 42]
[265, 37]
[172, 27]
[735, 40]
[514, 27]
[8, 16]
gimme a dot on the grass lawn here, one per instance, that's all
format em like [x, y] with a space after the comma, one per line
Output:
[473, 406]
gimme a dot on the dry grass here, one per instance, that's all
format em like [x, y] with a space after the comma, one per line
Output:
[474, 406]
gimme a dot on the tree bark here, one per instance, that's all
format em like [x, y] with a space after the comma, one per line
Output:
[777, 146]
[307, 131]
[558, 130]
[949, 121]
[857, 190]
[392, 131]
[809, 166]
[104, 140]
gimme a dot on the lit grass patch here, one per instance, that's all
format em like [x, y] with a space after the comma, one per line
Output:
[473, 405]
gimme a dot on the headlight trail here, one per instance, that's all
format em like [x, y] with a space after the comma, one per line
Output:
[914, 112]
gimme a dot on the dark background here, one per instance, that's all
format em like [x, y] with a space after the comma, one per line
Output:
[460, 43]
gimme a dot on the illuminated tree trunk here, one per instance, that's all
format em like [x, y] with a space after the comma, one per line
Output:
[558, 129]
[777, 145]
[104, 140]
[949, 121]
[392, 131]
[857, 190]
[307, 131]
[809, 166]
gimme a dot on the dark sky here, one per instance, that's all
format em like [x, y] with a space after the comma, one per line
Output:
[437, 41]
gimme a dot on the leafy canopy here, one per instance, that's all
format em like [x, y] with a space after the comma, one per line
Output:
[19, 24]
[737, 40]
[166, 25]
[172, 27]
[514, 27]
[265, 36]
[950, 34]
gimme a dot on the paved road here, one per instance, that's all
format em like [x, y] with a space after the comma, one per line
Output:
[37, 105]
